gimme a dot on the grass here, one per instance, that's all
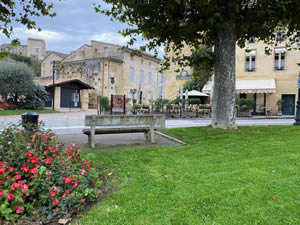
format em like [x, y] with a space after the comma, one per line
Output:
[21, 111]
[249, 176]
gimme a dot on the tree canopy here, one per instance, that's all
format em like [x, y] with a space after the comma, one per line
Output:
[16, 79]
[22, 11]
[218, 23]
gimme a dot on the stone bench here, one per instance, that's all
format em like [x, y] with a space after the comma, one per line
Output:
[123, 124]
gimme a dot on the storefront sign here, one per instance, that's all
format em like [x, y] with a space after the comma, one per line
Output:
[117, 104]
[184, 75]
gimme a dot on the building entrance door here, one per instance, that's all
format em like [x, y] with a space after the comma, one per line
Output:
[288, 104]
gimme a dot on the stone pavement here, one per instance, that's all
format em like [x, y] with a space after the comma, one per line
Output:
[114, 141]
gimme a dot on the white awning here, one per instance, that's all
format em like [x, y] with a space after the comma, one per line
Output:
[251, 53]
[196, 93]
[248, 86]
[280, 50]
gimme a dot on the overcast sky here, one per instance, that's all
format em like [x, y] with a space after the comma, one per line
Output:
[76, 24]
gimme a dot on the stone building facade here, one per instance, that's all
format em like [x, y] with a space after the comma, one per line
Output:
[109, 70]
[271, 80]
[35, 48]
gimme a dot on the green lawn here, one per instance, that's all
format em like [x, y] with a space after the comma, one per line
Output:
[250, 176]
[21, 111]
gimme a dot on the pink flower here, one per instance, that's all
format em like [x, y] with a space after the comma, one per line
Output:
[55, 201]
[1, 193]
[48, 160]
[67, 179]
[75, 184]
[2, 170]
[69, 166]
[53, 192]
[55, 150]
[15, 185]
[11, 168]
[2, 163]
[64, 195]
[10, 196]
[33, 171]
[82, 172]
[18, 177]
[24, 168]
[25, 188]
[18, 209]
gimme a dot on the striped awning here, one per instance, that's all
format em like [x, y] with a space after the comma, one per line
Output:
[247, 86]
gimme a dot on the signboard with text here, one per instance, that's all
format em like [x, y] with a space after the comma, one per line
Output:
[117, 104]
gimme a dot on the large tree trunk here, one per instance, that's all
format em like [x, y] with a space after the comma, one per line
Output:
[223, 105]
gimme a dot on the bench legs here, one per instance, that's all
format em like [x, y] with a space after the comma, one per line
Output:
[150, 136]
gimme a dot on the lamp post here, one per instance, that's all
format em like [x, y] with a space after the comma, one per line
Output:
[53, 79]
[297, 118]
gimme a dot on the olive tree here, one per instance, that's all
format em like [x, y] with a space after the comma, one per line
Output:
[16, 80]
[217, 23]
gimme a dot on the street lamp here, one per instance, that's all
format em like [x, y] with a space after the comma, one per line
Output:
[297, 118]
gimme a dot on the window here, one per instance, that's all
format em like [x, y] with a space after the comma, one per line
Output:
[250, 60]
[251, 40]
[37, 50]
[280, 36]
[142, 77]
[149, 78]
[242, 95]
[131, 74]
[37, 43]
[105, 51]
[279, 60]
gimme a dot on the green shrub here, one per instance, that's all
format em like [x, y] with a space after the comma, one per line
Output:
[104, 102]
[40, 179]
[194, 101]
[245, 105]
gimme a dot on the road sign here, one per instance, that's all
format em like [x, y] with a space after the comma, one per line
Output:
[299, 82]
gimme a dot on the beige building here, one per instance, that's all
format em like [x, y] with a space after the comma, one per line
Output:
[108, 70]
[271, 80]
[35, 48]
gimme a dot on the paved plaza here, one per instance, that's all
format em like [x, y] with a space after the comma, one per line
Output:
[73, 122]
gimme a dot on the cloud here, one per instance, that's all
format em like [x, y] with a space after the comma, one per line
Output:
[111, 37]
[44, 34]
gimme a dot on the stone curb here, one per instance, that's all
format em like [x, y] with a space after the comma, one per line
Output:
[169, 137]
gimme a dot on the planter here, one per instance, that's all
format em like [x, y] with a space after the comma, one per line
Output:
[244, 114]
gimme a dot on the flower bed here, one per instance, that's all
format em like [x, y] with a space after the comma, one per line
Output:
[41, 180]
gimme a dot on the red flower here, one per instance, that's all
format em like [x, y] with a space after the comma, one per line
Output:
[2, 170]
[18, 209]
[25, 187]
[2, 163]
[45, 137]
[24, 168]
[46, 152]
[55, 150]
[75, 184]
[53, 192]
[1, 193]
[11, 169]
[48, 160]
[82, 200]
[67, 179]
[55, 201]
[28, 154]
[64, 195]
[87, 163]
[15, 185]
[10, 196]
[18, 177]
[33, 171]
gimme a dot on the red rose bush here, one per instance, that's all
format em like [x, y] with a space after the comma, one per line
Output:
[40, 179]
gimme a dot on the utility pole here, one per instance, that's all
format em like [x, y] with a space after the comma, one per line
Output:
[53, 83]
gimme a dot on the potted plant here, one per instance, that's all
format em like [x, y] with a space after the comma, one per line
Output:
[244, 107]
[279, 104]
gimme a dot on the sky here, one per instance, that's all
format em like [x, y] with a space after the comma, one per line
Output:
[75, 24]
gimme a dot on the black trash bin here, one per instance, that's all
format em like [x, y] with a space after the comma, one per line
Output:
[30, 118]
